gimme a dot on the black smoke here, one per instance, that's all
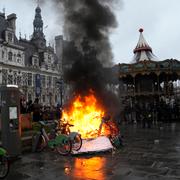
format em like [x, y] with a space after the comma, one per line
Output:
[92, 19]
[88, 24]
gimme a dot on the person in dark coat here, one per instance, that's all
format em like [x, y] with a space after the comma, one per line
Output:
[22, 106]
[29, 106]
[58, 112]
[37, 116]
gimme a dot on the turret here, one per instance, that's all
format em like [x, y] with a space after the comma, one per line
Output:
[38, 37]
[142, 51]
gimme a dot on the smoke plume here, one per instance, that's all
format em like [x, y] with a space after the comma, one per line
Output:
[88, 24]
[92, 19]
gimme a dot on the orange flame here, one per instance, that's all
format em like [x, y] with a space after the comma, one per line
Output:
[86, 115]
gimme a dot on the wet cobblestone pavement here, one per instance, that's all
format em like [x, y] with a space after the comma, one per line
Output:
[148, 154]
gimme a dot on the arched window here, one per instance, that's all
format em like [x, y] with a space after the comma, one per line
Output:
[10, 55]
[15, 57]
[2, 54]
[19, 80]
[19, 55]
[19, 58]
[35, 62]
[10, 79]
[10, 37]
[29, 79]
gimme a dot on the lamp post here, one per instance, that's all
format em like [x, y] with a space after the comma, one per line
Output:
[60, 85]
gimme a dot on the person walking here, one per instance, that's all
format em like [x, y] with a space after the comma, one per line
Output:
[37, 116]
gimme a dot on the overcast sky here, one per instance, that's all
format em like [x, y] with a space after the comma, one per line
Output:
[158, 18]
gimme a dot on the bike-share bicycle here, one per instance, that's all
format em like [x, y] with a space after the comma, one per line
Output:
[4, 163]
[59, 142]
[63, 143]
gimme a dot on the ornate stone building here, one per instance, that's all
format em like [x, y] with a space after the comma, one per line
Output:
[30, 64]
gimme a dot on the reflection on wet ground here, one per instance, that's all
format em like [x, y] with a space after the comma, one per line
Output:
[89, 168]
[148, 154]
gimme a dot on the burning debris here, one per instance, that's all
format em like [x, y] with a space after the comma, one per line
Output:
[87, 116]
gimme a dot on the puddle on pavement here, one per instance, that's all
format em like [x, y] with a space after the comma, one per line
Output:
[89, 168]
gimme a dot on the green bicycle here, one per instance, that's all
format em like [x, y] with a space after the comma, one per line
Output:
[60, 142]
[4, 163]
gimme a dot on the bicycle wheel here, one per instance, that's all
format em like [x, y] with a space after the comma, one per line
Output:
[77, 143]
[65, 147]
[39, 142]
[4, 167]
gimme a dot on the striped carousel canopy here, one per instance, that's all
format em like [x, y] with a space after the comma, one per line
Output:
[142, 51]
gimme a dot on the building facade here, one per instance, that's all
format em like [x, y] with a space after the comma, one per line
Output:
[32, 65]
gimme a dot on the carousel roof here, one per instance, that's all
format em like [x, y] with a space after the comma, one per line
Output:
[169, 66]
[145, 62]
[142, 51]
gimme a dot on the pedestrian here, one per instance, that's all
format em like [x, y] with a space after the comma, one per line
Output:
[29, 106]
[37, 116]
[22, 105]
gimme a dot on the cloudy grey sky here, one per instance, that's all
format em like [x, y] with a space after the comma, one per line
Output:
[158, 18]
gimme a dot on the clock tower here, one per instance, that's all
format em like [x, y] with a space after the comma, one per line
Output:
[38, 37]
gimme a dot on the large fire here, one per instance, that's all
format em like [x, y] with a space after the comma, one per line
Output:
[86, 114]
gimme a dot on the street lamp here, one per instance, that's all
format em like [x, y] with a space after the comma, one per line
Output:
[60, 85]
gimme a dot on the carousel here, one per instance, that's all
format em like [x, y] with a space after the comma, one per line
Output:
[150, 85]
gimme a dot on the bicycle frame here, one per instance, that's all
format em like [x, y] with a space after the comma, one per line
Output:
[73, 136]
[40, 133]
[59, 140]
[3, 152]
[43, 132]
[4, 161]
[67, 131]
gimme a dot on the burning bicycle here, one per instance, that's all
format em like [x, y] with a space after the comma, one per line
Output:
[74, 137]
[90, 119]
[115, 136]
